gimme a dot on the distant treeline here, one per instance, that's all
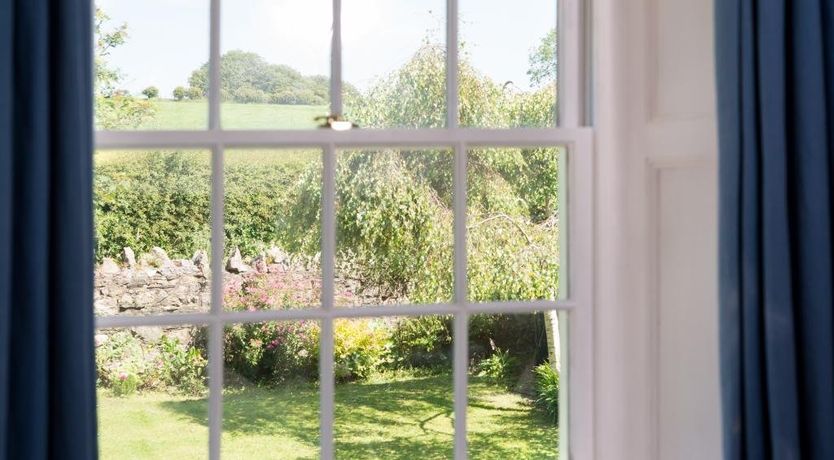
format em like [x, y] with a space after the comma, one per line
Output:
[246, 77]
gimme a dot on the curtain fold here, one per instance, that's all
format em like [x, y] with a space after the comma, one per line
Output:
[775, 84]
[47, 369]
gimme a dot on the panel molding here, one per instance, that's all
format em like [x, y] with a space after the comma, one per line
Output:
[655, 167]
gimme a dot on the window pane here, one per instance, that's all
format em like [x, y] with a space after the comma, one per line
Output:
[271, 395]
[275, 63]
[152, 392]
[273, 230]
[513, 223]
[394, 63]
[394, 388]
[152, 216]
[513, 386]
[507, 73]
[145, 56]
[394, 227]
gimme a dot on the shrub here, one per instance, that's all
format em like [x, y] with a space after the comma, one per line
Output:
[267, 291]
[249, 95]
[193, 93]
[522, 335]
[183, 367]
[421, 342]
[151, 92]
[157, 199]
[273, 352]
[179, 93]
[500, 367]
[547, 390]
[126, 364]
[359, 345]
[121, 363]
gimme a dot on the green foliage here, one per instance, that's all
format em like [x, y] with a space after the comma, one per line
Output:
[179, 93]
[120, 361]
[547, 390]
[500, 367]
[114, 107]
[161, 198]
[193, 94]
[126, 364]
[151, 92]
[157, 199]
[183, 367]
[247, 78]
[543, 61]
[421, 342]
[358, 346]
[392, 227]
[274, 352]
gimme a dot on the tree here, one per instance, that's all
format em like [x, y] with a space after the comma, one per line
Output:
[247, 78]
[543, 61]
[151, 92]
[179, 93]
[193, 93]
[114, 107]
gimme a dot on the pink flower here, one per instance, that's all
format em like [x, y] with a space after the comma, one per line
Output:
[123, 376]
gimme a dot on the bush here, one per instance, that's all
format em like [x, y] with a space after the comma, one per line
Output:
[500, 367]
[162, 199]
[421, 342]
[120, 363]
[183, 367]
[126, 364]
[193, 94]
[273, 352]
[179, 93]
[157, 199]
[547, 390]
[359, 346]
[151, 92]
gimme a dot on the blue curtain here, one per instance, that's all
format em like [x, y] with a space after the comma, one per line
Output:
[47, 370]
[775, 77]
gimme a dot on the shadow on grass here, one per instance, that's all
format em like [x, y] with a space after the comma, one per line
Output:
[399, 419]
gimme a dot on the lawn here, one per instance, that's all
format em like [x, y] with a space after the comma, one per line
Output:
[403, 417]
[188, 115]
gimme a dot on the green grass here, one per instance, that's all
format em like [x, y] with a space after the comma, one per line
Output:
[397, 418]
[193, 115]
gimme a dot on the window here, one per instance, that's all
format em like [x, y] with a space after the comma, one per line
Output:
[455, 258]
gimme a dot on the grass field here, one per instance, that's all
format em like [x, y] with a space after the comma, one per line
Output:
[193, 115]
[296, 158]
[395, 418]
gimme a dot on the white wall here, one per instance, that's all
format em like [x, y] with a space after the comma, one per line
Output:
[656, 343]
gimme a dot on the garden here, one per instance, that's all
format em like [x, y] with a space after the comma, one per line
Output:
[394, 246]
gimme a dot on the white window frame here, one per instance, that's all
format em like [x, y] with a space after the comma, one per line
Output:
[571, 133]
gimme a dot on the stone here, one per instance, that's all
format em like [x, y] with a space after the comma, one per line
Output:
[148, 334]
[159, 258]
[128, 257]
[105, 307]
[159, 253]
[109, 267]
[100, 339]
[185, 263]
[259, 264]
[276, 255]
[200, 260]
[235, 263]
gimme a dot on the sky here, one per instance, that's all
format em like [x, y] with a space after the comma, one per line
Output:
[168, 39]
